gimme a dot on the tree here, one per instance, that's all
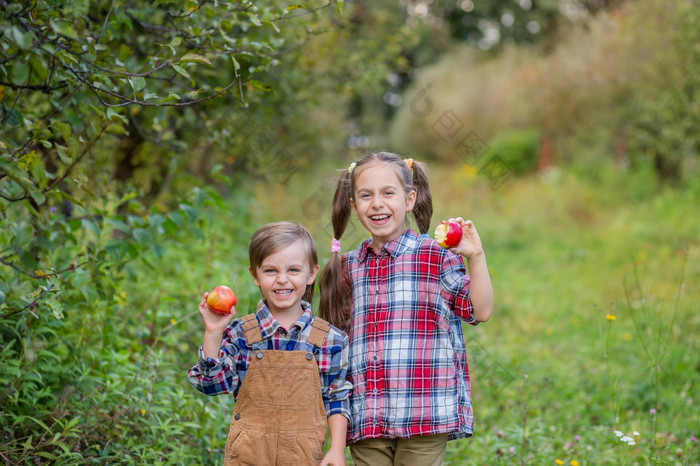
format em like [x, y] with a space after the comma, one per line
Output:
[100, 105]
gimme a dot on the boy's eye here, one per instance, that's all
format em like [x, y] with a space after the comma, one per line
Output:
[269, 271]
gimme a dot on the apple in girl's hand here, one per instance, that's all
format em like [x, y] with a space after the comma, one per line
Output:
[448, 234]
[221, 299]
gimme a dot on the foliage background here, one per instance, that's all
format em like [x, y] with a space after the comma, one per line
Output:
[141, 144]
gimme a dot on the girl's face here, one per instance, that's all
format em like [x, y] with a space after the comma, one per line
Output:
[380, 202]
[282, 278]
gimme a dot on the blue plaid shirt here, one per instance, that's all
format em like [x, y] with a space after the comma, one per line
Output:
[408, 362]
[226, 374]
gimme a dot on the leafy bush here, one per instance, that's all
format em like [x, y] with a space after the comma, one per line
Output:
[519, 149]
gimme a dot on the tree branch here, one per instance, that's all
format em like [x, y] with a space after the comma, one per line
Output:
[45, 88]
[126, 101]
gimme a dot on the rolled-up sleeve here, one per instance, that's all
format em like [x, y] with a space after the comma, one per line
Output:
[454, 287]
[218, 376]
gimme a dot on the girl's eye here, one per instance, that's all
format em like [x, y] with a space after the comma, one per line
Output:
[364, 196]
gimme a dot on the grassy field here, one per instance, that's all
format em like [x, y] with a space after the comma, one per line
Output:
[594, 329]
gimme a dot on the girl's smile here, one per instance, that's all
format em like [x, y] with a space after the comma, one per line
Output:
[380, 202]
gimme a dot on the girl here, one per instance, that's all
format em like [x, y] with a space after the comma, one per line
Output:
[401, 297]
[286, 368]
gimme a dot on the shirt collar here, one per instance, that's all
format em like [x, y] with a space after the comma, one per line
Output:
[394, 248]
[269, 325]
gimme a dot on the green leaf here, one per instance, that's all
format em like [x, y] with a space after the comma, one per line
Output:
[255, 19]
[115, 128]
[177, 218]
[89, 293]
[65, 153]
[137, 83]
[64, 28]
[236, 65]
[170, 228]
[63, 128]
[92, 226]
[195, 58]
[24, 40]
[38, 196]
[143, 236]
[20, 72]
[119, 225]
[39, 67]
[191, 212]
[113, 113]
[55, 306]
[125, 52]
[182, 71]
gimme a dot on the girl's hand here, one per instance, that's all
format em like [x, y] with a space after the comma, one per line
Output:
[213, 321]
[470, 246]
[334, 458]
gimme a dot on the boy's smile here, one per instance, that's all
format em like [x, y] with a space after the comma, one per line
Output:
[282, 278]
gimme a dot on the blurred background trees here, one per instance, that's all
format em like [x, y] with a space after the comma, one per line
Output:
[130, 129]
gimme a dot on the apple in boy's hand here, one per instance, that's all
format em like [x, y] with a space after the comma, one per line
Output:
[221, 299]
[448, 234]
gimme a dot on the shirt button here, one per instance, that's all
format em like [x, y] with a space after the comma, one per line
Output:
[375, 391]
[237, 416]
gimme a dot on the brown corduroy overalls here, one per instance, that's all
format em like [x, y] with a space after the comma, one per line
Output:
[279, 417]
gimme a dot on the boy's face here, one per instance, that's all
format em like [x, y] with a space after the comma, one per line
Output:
[282, 278]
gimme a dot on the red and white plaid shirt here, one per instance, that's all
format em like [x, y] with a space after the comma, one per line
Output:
[408, 363]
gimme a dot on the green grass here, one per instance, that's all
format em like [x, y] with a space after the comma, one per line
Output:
[552, 377]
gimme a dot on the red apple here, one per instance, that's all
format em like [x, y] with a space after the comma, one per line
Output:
[448, 234]
[221, 299]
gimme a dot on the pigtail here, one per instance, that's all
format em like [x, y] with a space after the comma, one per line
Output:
[334, 285]
[423, 208]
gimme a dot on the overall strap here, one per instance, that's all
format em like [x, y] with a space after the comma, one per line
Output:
[319, 332]
[251, 329]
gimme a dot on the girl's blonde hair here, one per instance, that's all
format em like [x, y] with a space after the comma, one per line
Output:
[272, 237]
[335, 284]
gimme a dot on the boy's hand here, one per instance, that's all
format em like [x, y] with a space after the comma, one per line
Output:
[470, 246]
[215, 322]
